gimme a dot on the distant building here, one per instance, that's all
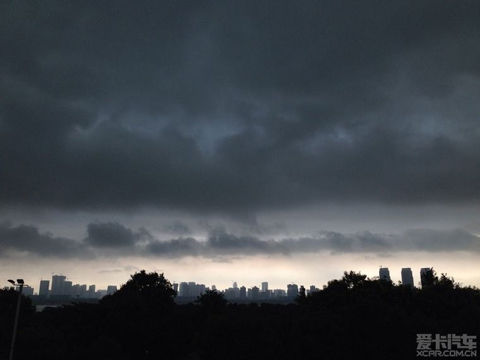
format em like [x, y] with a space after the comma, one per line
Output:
[27, 291]
[254, 293]
[83, 291]
[43, 289]
[407, 277]
[233, 292]
[191, 289]
[243, 292]
[292, 290]
[175, 287]
[91, 292]
[312, 289]
[183, 292]
[67, 288]
[384, 274]
[196, 289]
[111, 289]
[58, 284]
[278, 293]
[264, 287]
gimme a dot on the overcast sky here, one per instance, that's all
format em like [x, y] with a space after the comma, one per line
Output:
[283, 140]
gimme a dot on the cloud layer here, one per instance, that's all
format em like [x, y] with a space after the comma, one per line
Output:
[113, 239]
[236, 107]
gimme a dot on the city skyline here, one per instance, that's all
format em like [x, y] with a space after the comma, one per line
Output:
[60, 286]
[239, 140]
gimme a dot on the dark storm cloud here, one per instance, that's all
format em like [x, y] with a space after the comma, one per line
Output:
[177, 227]
[28, 239]
[219, 242]
[112, 239]
[238, 106]
[113, 235]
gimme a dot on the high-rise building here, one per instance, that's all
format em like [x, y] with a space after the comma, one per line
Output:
[243, 292]
[67, 288]
[91, 291]
[184, 290]
[43, 289]
[58, 284]
[407, 277]
[264, 287]
[292, 290]
[254, 292]
[111, 289]
[384, 274]
[27, 291]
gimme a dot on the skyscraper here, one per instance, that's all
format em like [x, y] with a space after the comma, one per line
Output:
[58, 284]
[67, 288]
[264, 287]
[407, 277]
[384, 274]
[111, 289]
[183, 292]
[27, 291]
[292, 290]
[83, 291]
[43, 289]
[91, 291]
[254, 292]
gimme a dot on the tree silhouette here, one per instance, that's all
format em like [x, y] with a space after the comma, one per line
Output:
[143, 289]
[211, 300]
[353, 279]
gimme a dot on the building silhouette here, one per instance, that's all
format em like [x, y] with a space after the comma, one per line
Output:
[292, 290]
[243, 292]
[43, 290]
[254, 293]
[91, 292]
[58, 284]
[407, 277]
[191, 289]
[384, 274]
[67, 288]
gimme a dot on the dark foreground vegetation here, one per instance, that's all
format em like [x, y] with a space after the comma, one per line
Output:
[351, 318]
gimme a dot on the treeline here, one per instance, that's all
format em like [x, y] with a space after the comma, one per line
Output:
[351, 318]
